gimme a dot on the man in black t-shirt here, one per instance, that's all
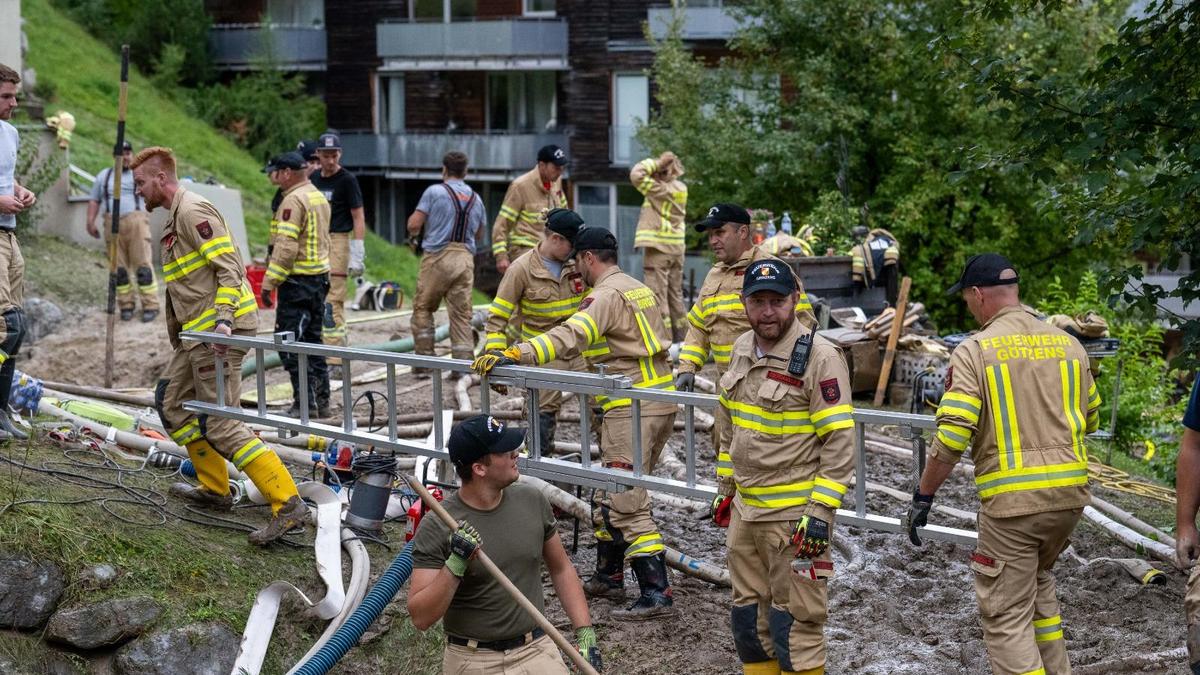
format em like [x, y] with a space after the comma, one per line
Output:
[486, 631]
[347, 227]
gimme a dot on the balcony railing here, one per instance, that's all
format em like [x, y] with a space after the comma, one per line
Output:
[417, 151]
[503, 38]
[623, 146]
[700, 23]
[241, 46]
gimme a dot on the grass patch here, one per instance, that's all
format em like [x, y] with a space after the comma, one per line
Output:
[198, 573]
[63, 271]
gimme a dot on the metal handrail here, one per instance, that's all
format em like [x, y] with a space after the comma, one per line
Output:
[533, 380]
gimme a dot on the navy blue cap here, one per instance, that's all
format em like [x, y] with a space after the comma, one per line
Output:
[565, 222]
[984, 270]
[768, 275]
[307, 149]
[720, 214]
[594, 239]
[552, 153]
[481, 435]
[287, 160]
[329, 141]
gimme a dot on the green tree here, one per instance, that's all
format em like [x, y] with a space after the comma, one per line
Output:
[848, 96]
[1115, 150]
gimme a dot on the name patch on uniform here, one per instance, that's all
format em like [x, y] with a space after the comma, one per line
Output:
[949, 378]
[204, 229]
[286, 215]
[786, 379]
[983, 559]
[576, 280]
[587, 302]
[831, 391]
[738, 273]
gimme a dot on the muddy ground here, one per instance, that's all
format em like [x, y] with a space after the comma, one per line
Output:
[894, 608]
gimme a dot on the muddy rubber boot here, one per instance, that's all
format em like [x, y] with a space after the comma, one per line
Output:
[201, 497]
[547, 424]
[609, 579]
[293, 514]
[126, 314]
[10, 427]
[149, 315]
[423, 345]
[655, 601]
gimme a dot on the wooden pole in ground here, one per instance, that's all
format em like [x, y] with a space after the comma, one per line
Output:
[118, 170]
[890, 354]
[542, 622]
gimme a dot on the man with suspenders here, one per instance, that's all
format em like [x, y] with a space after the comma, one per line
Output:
[133, 240]
[449, 219]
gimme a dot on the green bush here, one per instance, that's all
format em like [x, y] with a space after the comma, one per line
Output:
[1147, 416]
[265, 111]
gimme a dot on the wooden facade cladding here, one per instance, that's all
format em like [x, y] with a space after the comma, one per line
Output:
[235, 11]
[497, 9]
[353, 60]
[434, 99]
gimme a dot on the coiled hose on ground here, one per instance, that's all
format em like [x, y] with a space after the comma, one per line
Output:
[347, 636]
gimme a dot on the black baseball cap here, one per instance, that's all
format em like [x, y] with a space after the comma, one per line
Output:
[482, 435]
[594, 239]
[720, 214]
[126, 146]
[287, 160]
[983, 270]
[565, 222]
[307, 149]
[329, 141]
[768, 275]
[552, 153]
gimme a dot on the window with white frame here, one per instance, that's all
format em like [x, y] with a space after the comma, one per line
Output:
[538, 7]
[391, 104]
[631, 106]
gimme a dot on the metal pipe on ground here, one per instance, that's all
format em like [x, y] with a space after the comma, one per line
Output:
[693, 567]
[403, 345]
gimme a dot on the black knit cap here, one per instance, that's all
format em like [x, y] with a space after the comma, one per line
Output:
[594, 239]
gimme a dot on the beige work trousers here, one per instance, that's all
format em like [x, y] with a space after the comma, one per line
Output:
[1191, 607]
[334, 331]
[12, 273]
[628, 512]
[1018, 607]
[134, 261]
[778, 613]
[663, 274]
[539, 657]
[449, 274]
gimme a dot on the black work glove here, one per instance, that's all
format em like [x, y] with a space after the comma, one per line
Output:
[811, 537]
[685, 381]
[267, 303]
[918, 515]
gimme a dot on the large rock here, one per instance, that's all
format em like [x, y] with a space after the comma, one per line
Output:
[105, 623]
[29, 592]
[198, 649]
[42, 318]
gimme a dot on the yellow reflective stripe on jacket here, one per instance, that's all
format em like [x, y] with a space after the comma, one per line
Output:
[759, 419]
[961, 405]
[665, 383]
[803, 303]
[730, 302]
[828, 492]
[522, 240]
[495, 341]
[1072, 391]
[247, 304]
[1093, 415]
[776, 496]
[502, 308]
[694, 355]
[658, 237]
[183, 266]
[1032, 478]
[217, 247]
[721, 353]
[278, 272]
[645, 545]
[724, 464]
[286, 229]
[543, 349]
[954, 436]
[1004, 416]
[833, 418]
[227, 295]
[598, 349]
[588, 324]
[1050, 628]
[508, 212]
[499, 247]
[696, 316]
[310, 267]
[206, 320]
[649, 338]
[552, 309]
[248, 453]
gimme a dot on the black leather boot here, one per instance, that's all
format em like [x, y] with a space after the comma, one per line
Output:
[655, 601]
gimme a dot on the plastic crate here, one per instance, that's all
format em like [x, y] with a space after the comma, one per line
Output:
[910, 364]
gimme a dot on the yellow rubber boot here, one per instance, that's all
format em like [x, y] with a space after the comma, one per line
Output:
[761, 668]
[210, 467]
[819, 670]
[272, 479]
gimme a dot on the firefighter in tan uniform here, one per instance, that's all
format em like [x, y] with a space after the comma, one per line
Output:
[617, 325]
[207, 291]
[518, 226]
[546, 288]
[133, 239]
[660, 234]
[718, 317]
[1018, 394]
[789, 428]
[875, 260]
[298, 265]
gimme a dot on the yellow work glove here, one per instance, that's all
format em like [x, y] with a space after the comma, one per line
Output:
[495, 357]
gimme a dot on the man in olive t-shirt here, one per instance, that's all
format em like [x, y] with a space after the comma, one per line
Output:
[486, 630]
